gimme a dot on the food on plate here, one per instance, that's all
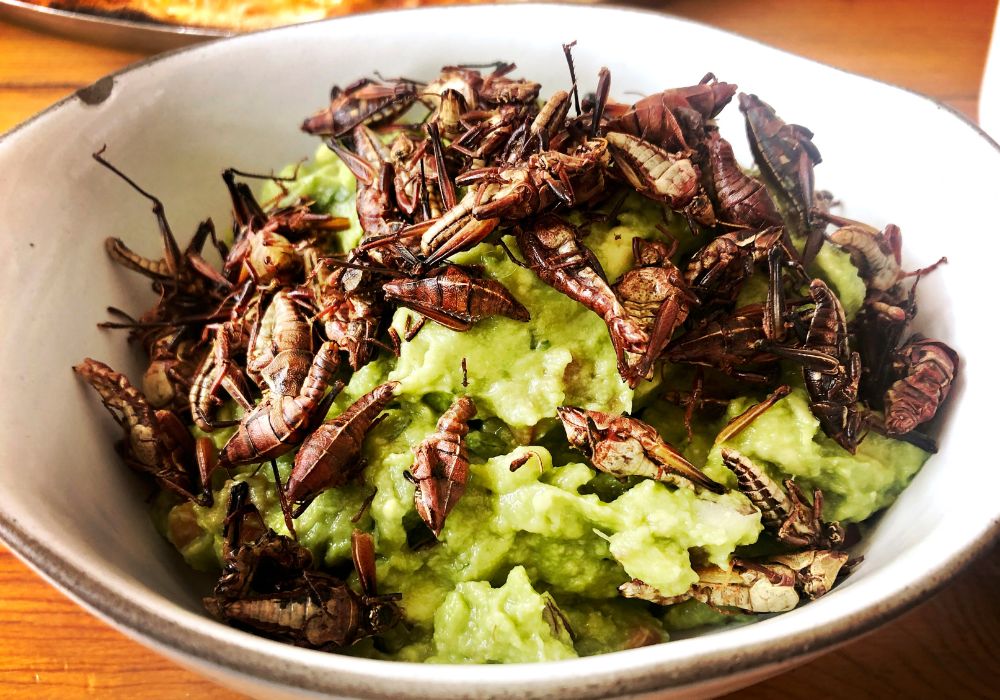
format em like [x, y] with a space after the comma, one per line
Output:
[237, 15]
[496, 379]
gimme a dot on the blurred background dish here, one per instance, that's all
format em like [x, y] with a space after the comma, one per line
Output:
[159, 25]
[227, 15]
[121, 30]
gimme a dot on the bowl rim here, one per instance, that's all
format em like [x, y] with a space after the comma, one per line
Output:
[248, 654]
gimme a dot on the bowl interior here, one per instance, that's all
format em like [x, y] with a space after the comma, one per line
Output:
[72, 509]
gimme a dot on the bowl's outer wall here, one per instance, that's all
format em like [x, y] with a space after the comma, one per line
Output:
[174, 124]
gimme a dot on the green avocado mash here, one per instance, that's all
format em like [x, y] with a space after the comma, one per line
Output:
[529, 562]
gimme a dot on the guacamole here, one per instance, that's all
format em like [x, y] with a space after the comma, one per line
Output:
[529, 561]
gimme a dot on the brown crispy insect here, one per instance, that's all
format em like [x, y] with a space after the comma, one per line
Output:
[269, 586]
[377, 213]
[185, 277]
[878, 332]
[659, 118]
[739, 199]
[281, 352]
[498, 89]
[625, 446]
[665, 177]
[381, 219]
[550, 119]
[789, 516]
[156, 442]
[927, 370]
[655, 295]
[734, 344]
[351, 309]
[455, 299]
[263, 241]
[816, 570]
[329, 457]
[755, 589]
[247, 543]
[538, 183]
[877, 255]
[281, 421]
[519, 462]
[786, 155]
[364, 102]
[218, 368]
[271, 260]
[757, 586]
[456, 230]
[465, 81]
[488, 132]
[173, 361]
[831, 371]
[449, 112]
[441, 466]
[716, 271]
[751, 591]
[185, 281]
[407, 158]
[438, 190]
[552, 249]
[889, 305]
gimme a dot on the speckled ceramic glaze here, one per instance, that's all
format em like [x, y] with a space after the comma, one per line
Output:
[69, 508]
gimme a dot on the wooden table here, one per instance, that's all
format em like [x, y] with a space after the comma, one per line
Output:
[49, 647]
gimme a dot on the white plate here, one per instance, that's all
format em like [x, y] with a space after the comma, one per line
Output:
[174, 123]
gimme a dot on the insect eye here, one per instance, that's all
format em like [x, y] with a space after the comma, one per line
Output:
[383, 616]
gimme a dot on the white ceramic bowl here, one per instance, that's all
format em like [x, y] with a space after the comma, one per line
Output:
[73, 512]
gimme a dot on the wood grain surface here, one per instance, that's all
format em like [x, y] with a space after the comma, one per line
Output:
[946, 648]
